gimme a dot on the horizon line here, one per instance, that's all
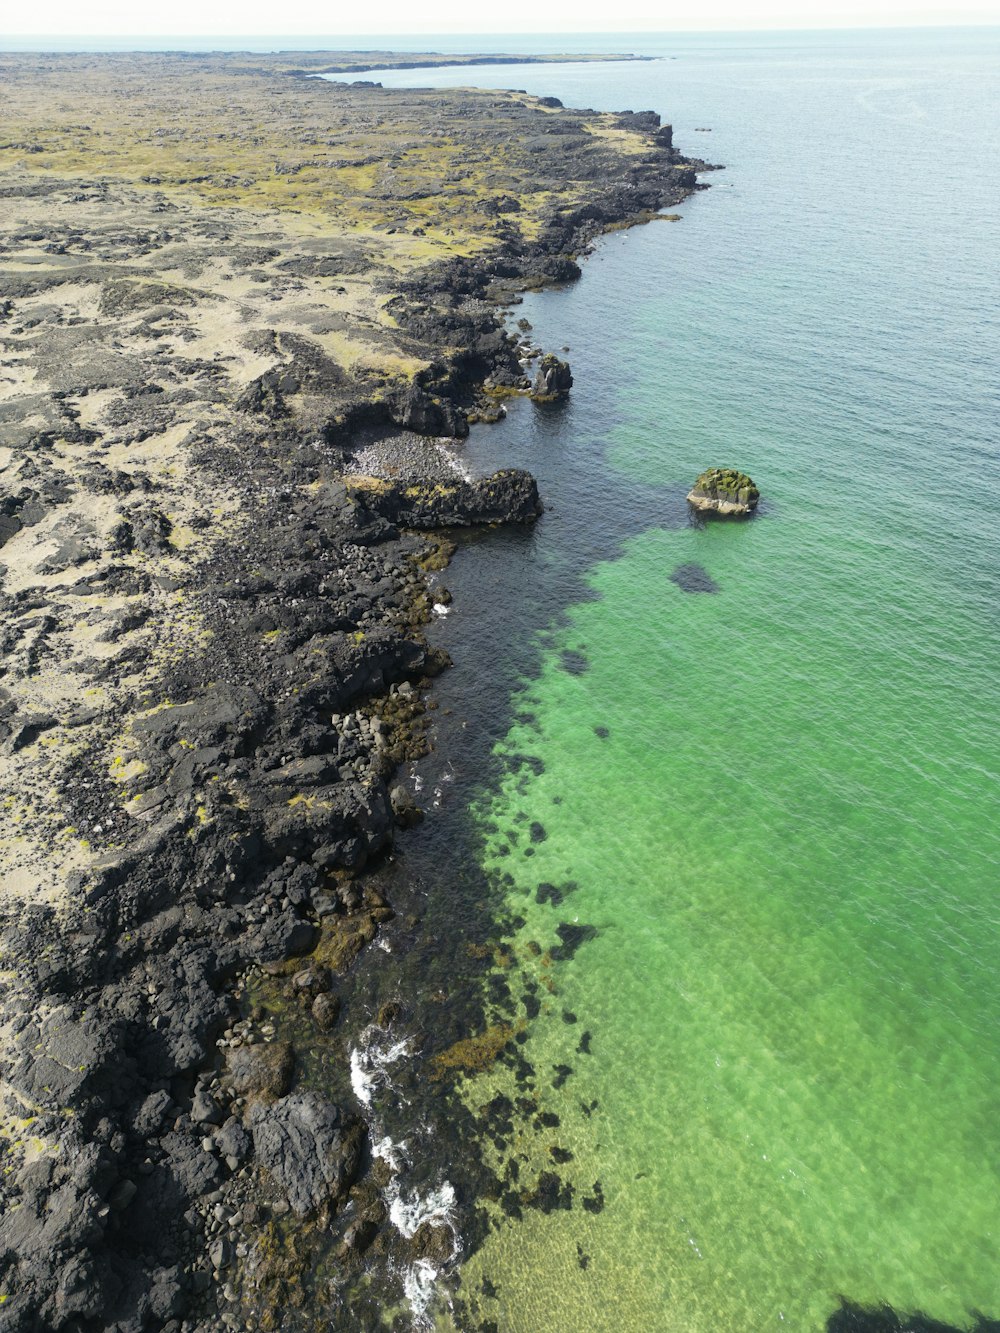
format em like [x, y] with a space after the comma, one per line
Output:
[950, 23]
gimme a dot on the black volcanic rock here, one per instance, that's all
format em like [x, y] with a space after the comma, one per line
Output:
[309, 1147]
[508, 496]
[553, 379]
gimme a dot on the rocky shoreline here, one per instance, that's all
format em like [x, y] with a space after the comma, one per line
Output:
[213, 660]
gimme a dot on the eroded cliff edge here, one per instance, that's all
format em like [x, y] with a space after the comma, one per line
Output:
[225, 291]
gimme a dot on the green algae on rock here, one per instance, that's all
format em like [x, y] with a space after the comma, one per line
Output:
[724, 490]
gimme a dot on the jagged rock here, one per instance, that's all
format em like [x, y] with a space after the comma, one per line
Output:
[265, 396]
[233, 1140]
[553, 379]
[425, 415]
[724, 491]
[205, 1110]
[432, 1243]
[283, 935]
[404, 807]
[309, 1146]
[509, 496]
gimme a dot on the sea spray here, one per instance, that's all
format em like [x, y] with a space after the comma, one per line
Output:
[371, 1062]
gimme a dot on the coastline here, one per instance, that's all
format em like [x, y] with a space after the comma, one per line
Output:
[230, 824]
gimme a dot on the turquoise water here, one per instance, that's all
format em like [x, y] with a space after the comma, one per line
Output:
[776, 803]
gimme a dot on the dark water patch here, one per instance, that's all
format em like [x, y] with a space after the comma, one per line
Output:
[560, 1155]
[532, 1005]
[551, 1193]
[530, 761]
[573, 661]
[851, 1318]
[510, 1202]
[568, 1016]
[548, 893]
[583, 1045]
[562, 1073]
[538, 833]
[581, 1258]
[693, 578]
[595, 1203]
[602, 733]
[572, 936]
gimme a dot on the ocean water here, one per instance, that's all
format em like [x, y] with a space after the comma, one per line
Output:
[773, 805]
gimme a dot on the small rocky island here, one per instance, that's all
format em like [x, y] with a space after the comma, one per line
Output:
[553, 380]
[725, 491]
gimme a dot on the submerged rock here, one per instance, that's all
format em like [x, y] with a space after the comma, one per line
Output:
[692, 577]
[725, 491]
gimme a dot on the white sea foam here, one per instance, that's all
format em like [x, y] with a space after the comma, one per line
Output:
[408, 1215]
[362, 1078]
[389, 1152]
[370, 1062]
[418, 1287]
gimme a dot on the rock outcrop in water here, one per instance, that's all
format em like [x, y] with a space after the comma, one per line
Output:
[724, 491]
[553, 379]
[508, 496]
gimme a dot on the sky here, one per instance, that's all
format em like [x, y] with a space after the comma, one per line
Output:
[64, 18]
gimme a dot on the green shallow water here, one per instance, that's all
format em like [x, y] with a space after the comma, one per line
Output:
[792, 991]
[787, 842]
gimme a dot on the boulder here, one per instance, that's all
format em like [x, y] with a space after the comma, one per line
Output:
[263, 1070]
[553, 379]
[404, 807]
[724, 491]
[310, 1148]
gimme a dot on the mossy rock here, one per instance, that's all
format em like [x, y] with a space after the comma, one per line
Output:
[725, 490]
